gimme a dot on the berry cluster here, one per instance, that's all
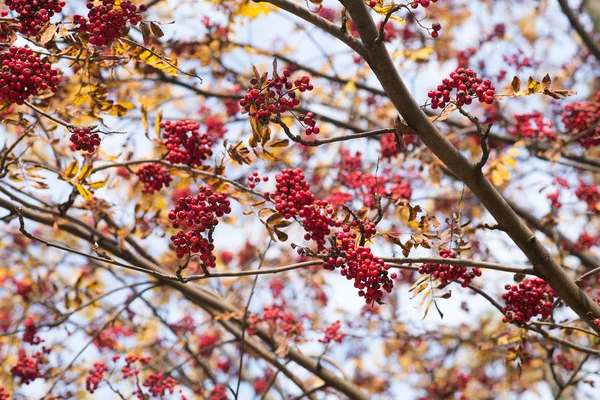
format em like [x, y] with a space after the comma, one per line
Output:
[332, 333]
[218, 393]
[30, 334]
[369, 186]
[274, 98]
[28, 369]
[422, 3]
[435, 30]
[526, 300]
[185, 145]
[23, 74]
[110, 337]
[185, 325]
[4, 395]
[316, 223]
[198, 215]
[95, 377]
[583, 242]
[309, 123]
[292, 193]
[370, 274]
[34, 14]
[468, 86]
[254, 179]
[154, 177]
[388, 146]
[207, 342]
[581, 116]
[106, 22]
[278, 320]
[158, 385]
[590, 195]
[534, 126]
[519, 61]
[449, 273]
[554, 201]
[85, 140]
[276, 286]
[129, 369]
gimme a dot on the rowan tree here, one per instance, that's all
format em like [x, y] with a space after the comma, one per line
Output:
[299, 199]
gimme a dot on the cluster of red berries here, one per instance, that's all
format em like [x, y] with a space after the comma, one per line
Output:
[309, 123]
[278, 320]
[85, 140]
[276, 97]
[276, 286]
[435, 30]
[583, 242]
[528, 299]
[185, 145]
[110, 337]
[154, 177]
[262, 383]
[422, 3]
[590, 195]
[30, 334]
[23, 74]
[106, 22]
[468, 86]
[158, 385]
[95, 376]
[317, 223]
[370, 274]
[130, 369]
[554, 199]
[449, 273]
[215, 128]
[519, 61]
[218, 393]
[34, 14]
[388, 146]
[254, 179]
[207, 342]
[580, 116]
[187, 324]
[197, 215]
[4, 395]
[28, 369]
[292, 193]
[534, 126]
[332, 333]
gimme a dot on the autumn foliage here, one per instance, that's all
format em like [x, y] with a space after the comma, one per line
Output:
[281, 199]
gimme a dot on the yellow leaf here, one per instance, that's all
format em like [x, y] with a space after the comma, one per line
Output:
[98, 184]
[533, 86]
[72, 170]
[497, 179]
[84, 192]
[503, 171]
[155, 60]
[48, 34]
[511, 162]
[85, 172]
[513, 151]
[144, 112]
[253, 10]
[157, 120]
[350, 87]
[419, 55]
